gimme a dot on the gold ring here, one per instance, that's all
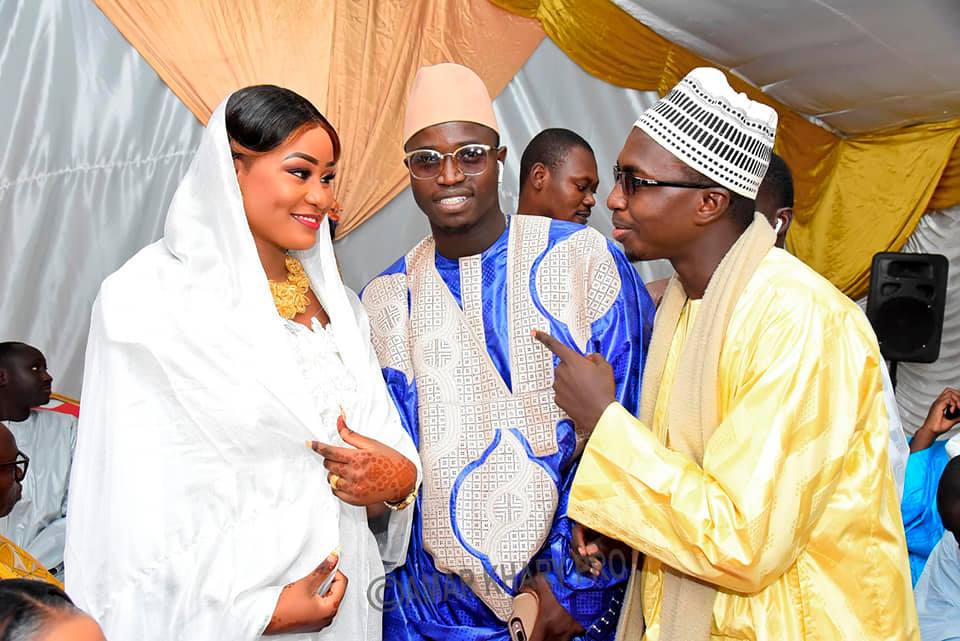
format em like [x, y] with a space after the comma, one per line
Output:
[334, 479]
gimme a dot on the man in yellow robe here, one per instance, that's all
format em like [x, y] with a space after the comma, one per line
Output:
[15, 563]
[756, 481]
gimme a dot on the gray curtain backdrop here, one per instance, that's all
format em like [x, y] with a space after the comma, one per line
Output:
[92, 147]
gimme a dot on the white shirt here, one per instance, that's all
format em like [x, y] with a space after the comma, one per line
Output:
[37, 522]
[938, 592]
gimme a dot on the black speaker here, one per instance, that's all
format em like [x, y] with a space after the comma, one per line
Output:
[905, 305]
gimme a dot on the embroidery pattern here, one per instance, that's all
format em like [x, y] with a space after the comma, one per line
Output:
[385, 300]
[504, 505]
[565, 279]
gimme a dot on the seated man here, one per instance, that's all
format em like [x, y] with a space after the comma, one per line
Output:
[938, 591]
[38, 522]
[15, 563]
[558, 177]
[928, 458]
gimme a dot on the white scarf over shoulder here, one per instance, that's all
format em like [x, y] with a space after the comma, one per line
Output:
[194, 498]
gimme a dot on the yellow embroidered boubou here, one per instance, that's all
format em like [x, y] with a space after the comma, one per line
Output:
[290, 296]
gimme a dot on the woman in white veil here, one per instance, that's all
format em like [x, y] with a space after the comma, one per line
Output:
[197, 510]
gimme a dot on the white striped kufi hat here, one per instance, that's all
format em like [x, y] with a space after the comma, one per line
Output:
[723, 134]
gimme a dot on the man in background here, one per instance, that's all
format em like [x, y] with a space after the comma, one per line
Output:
[558, 177]
[38, 522]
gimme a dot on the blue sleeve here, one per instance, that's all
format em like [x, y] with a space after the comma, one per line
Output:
[921, 521]
[621, 336]
[404, 396]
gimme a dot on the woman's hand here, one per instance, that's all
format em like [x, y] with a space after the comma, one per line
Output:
[370, 474]
[300, 609]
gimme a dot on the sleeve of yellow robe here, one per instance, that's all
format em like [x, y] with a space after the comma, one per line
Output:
[795, 394]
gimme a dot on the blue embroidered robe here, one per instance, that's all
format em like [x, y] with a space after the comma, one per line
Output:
[475, 392]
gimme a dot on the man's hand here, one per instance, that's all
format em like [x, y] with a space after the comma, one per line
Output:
[583, 385]
[591, 550]
[371, 473]
[554, 623]
[300, 609]
[936, 423]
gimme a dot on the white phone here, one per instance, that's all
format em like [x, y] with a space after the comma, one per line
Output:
[328, 582]
[526, 608]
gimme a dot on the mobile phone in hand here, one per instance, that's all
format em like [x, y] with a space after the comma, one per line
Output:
[328, 582]
[526, 607]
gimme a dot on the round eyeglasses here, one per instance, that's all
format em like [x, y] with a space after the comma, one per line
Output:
[471, 160]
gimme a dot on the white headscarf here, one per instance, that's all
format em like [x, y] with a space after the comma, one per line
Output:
[194, 498]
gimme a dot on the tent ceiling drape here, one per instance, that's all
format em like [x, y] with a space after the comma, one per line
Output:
[854, 67]
[355, 59]
[855, 195]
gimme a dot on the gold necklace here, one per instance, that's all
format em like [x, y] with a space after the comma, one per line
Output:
[290, 296]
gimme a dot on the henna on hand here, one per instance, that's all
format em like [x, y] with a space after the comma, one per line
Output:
[369, 474]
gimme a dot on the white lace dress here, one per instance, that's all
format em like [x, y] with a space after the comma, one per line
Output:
[327, 379]
[331, 386]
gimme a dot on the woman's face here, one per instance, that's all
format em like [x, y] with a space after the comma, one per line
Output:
[287, 191]
[78, 627]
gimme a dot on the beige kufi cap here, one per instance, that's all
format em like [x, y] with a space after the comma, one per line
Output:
[447, 93]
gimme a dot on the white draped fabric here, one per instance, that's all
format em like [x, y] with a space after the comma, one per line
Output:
[918, 384]
[92, 146]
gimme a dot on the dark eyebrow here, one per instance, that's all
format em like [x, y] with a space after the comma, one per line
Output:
[307, 157]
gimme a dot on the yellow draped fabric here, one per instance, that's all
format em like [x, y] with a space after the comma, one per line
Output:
[854, 196]
[16, 563]
[794, 515]
[354, 59]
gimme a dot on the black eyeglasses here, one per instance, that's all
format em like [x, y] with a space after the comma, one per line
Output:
[630, 184]
[21, 463]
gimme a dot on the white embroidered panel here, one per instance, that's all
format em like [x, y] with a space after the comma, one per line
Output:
[576, 270]
[385, 300]
[463, 403]
[507, 484]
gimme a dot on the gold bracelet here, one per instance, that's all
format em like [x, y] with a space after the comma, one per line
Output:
[405, 503]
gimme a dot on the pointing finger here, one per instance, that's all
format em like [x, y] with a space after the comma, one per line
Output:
[562, 351]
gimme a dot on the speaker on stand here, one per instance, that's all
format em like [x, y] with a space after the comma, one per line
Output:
[905, 306]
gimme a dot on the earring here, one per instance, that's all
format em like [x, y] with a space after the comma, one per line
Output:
[334, 212]
[500, 172]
